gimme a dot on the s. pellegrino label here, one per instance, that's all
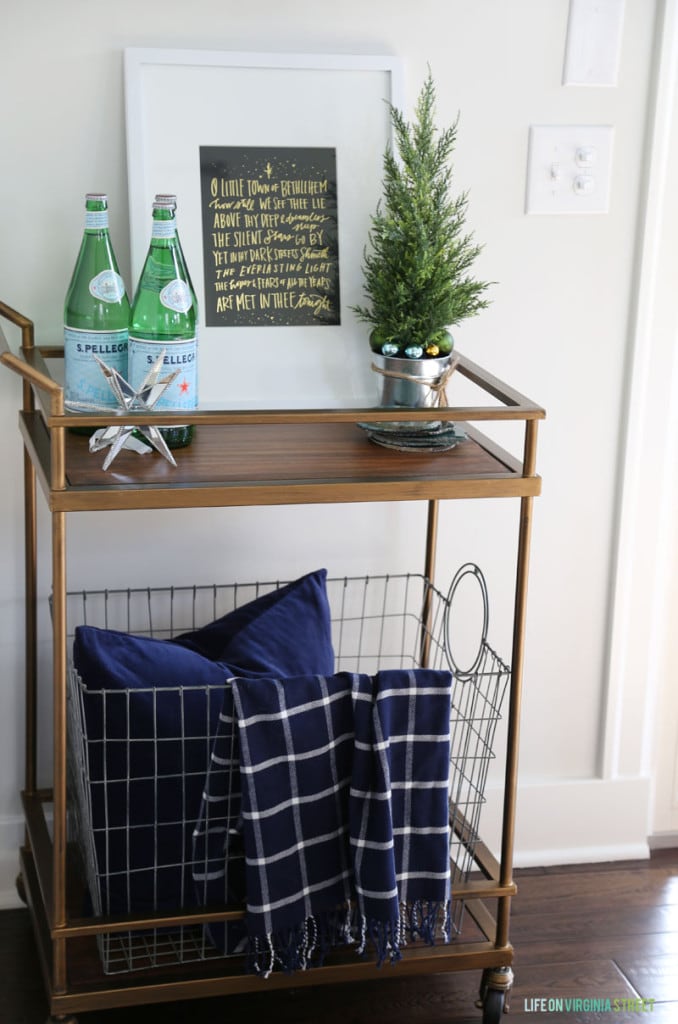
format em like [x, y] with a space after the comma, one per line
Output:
[180, 356]
[85, 383]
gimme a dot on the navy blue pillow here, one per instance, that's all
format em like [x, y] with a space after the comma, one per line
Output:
[275, 634]
[152, 709]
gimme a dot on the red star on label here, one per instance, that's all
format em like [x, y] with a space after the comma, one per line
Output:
[184, 387]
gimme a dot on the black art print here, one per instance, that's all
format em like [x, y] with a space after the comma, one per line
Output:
[270, 241]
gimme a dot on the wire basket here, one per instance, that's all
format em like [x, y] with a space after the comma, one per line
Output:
[378, 622]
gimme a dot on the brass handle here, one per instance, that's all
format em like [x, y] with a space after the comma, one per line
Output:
[21, 365]
[25, 370]
[16, 318]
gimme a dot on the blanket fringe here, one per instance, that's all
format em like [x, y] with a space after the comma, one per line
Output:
[427, 918]
[306, 945]
[302, 946]
[385, 939]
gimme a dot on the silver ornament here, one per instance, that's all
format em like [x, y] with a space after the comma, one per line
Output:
[141, 399]
[414, 352]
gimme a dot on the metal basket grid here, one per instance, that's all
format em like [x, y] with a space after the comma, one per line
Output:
[378, 622]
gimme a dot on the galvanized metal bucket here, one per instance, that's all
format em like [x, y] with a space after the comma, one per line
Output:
[410, 383]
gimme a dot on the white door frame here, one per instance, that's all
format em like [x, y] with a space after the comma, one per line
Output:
[641, 717]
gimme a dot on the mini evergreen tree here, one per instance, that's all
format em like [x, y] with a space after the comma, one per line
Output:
[416, 274]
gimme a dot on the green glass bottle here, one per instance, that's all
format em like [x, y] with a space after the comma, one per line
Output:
[96, 314]
[164, 315]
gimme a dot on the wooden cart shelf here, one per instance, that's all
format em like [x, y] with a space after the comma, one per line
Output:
[247, 458]
[266, 464]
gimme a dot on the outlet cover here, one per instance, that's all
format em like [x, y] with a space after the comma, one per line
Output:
[569, 168]
[594, 38]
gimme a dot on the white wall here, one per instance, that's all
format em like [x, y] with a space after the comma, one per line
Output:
[561, 328]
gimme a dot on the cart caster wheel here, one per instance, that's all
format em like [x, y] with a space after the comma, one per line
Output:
[21, 889]
[493, 1006]
[495, 993]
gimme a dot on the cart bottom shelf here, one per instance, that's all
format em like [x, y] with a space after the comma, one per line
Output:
[87, 988]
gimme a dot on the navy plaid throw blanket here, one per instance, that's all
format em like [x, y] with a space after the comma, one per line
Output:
[343, 806]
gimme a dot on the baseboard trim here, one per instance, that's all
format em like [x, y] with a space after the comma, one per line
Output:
[664, 841]
[9, 899]
[574, 821]
[581, 855]
[11, 840]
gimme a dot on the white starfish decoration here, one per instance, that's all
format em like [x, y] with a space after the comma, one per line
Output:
[141, 399]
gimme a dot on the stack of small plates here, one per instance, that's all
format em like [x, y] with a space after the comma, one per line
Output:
[414, 436]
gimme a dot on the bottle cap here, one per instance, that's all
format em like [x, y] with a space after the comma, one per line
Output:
[100, 197]
[166, 197]
[163, 206]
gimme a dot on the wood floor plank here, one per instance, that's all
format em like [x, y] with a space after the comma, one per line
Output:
[622, 947]
[652, 976]
[632, 888]
[584, 924]
[568, 989]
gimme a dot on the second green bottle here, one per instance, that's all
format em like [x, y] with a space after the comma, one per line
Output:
[164, 315]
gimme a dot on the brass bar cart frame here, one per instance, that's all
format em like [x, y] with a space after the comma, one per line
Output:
[249, 471]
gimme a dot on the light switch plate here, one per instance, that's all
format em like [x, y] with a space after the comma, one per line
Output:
[568, 169]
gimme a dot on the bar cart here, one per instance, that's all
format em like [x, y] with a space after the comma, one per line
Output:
[326, 460]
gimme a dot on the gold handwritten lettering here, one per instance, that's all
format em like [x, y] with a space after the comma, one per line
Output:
[226, 220]
[273, 247]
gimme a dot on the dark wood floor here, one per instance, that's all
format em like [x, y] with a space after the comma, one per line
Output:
[587, 932]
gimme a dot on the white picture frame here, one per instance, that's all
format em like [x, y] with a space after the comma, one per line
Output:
[178, 100]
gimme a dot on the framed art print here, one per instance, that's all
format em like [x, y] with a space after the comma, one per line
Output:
[276, 161]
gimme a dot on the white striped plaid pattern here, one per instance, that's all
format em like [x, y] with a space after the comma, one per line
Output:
[344, 803]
